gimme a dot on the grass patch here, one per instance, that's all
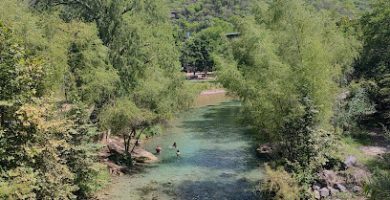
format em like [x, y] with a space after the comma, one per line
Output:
[101, 179]
[351, 146]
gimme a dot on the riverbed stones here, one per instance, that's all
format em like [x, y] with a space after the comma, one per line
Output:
[329, 178]
[324, 192]
[340, 187]
[356, 189]
[317, 194]
[333, 191]
[316, 187]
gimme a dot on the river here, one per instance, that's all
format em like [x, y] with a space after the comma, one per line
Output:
[218, 160]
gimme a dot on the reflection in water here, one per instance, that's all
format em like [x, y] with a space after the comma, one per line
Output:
[217, 160]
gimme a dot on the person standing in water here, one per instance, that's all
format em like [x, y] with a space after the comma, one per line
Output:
[178, 153]
[174, 145]
[158, 149]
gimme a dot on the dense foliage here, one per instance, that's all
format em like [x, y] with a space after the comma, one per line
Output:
[72, 69]
[372, 72]
[285, 68]
[65, 65]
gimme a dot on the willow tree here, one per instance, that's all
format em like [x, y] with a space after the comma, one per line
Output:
[139, 39]
[284, 66]
[124, 118]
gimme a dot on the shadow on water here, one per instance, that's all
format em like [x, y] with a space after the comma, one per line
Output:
[239, 189]
[235, 189]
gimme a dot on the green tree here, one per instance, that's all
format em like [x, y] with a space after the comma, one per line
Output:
[283, 67]
[374, 61]
[44, 140]
[124, 118]
[196, 54]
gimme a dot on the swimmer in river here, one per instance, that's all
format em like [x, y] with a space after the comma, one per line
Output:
[178, 153]
[174, 145]
[158, 150]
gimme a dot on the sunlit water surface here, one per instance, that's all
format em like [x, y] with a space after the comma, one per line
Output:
[217, 161]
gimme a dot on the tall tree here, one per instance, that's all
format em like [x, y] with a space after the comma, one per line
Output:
[284, 67]
[374, 62]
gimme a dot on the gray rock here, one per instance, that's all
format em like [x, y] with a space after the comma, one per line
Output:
[333, 191]
[265, 150]
[316, 187]
[356, 189]
[350, 161]
[324, 192]
[317, 194]
[340, 187]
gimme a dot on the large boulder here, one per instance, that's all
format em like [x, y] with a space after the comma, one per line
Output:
[142, 156]
[115, 147]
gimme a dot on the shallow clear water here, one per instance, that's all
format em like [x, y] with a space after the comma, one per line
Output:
[218, 160]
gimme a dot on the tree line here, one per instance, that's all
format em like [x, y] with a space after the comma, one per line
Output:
[71, 69]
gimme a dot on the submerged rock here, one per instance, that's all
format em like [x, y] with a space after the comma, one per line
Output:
[227, 174]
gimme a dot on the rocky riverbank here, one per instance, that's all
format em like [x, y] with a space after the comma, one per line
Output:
[113, 147]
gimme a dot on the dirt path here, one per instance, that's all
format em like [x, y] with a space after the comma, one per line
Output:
[378, 147]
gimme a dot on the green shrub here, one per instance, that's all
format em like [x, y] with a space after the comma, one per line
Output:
[379, 187]
[279, 184]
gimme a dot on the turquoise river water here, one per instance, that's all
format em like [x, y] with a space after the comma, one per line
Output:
[218, 160]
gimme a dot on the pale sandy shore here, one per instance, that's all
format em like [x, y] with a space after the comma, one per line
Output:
[212, 92]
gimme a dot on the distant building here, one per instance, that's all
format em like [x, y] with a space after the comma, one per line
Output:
[232, 35]
[174, 15]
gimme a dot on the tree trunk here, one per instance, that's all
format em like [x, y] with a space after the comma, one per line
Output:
[108, 135]
[2, 120]
[135, 133]
[125, 142]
